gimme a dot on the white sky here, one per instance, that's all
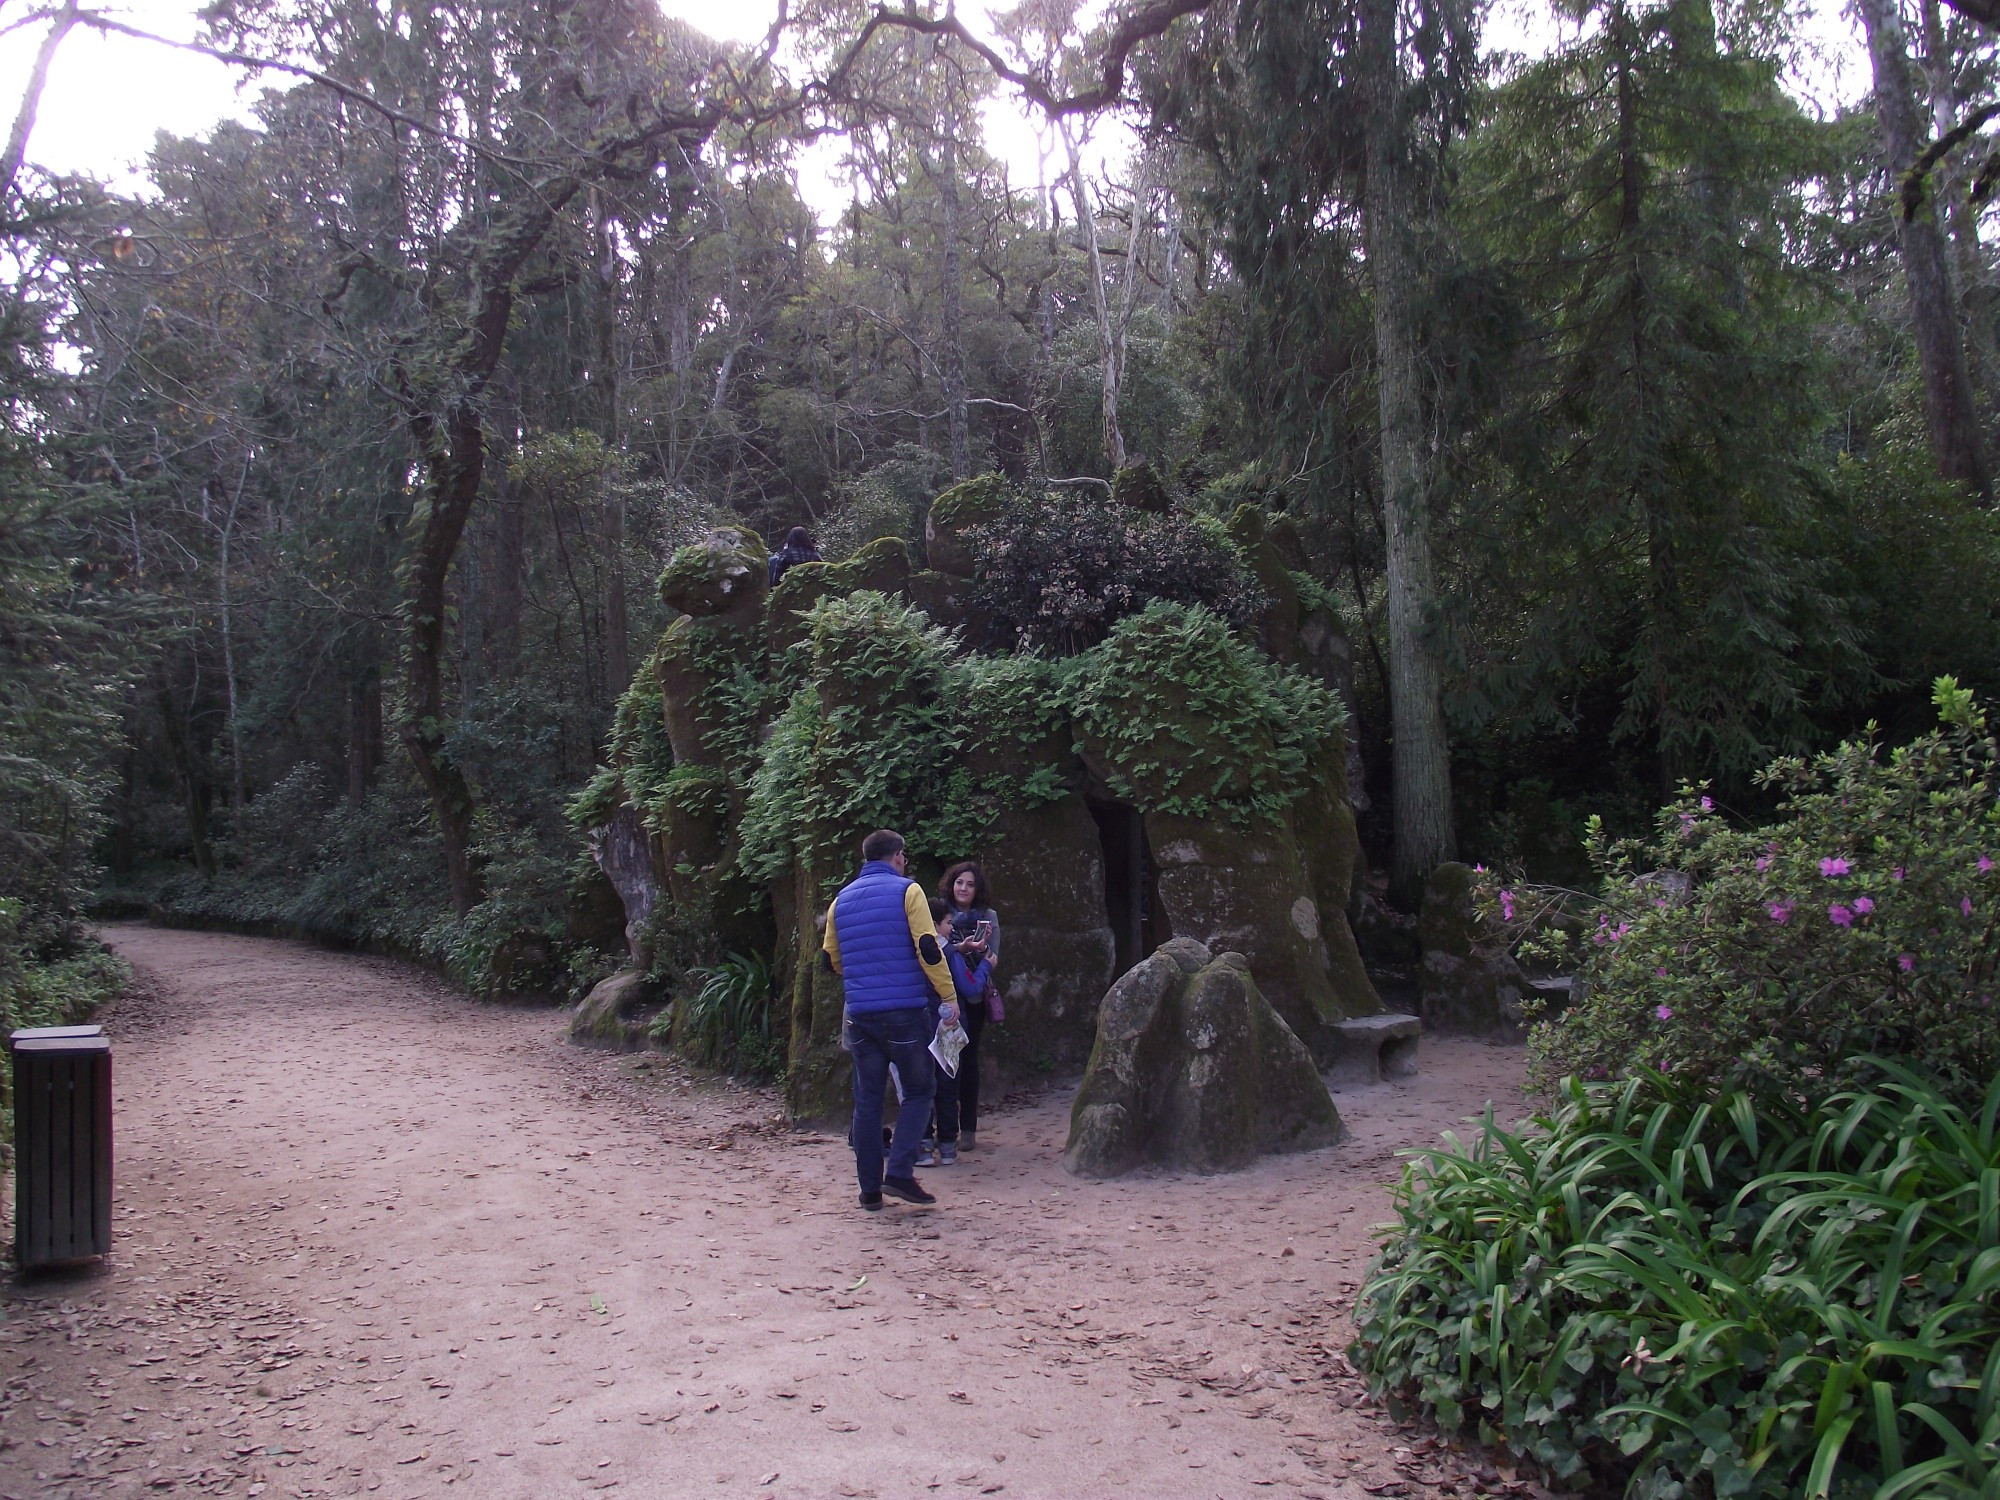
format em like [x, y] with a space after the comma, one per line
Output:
[108, 96]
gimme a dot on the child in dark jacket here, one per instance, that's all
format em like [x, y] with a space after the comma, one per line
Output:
[969, 979]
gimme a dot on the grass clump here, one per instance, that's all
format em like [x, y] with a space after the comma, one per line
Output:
[1668, 1291]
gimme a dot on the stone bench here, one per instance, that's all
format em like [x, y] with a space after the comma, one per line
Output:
[1373, 1048]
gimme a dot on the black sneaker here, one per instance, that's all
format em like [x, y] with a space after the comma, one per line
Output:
[872, 1202]
[908, 1189]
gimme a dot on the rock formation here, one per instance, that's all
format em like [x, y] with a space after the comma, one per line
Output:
[1193, 1070]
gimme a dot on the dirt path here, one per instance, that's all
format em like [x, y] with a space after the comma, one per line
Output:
[374, 1237]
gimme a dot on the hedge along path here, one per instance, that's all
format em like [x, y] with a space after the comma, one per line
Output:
[376, 1238]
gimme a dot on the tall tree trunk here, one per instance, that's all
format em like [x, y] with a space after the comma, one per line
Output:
[1422, 811]
[1948, 403]
[455, 459]
[223, 603]
[617, 630]
[194, 788]
[1114, 435]
[952, 375]
[364, 732]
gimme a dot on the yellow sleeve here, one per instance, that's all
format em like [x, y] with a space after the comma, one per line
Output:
[923, 932]
[830, 944]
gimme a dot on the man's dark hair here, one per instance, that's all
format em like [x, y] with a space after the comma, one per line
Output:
[882, 844]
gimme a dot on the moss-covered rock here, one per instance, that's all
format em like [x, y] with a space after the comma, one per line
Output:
[1447, 920]
[618, 1011]
[1046, 871]
[1278, 625]
[1249, 893]
[1468, 985]
[1192, 1070]
[1139, 487]
[696, 665]
[883, 566]
[960, 508]
[819, 1076]
[725, 575]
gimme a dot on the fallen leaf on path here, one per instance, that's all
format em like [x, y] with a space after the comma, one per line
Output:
[415, 1458]
[859, 1284]
[770, 1478]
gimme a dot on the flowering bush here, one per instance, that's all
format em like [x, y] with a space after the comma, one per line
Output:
[1862, 921]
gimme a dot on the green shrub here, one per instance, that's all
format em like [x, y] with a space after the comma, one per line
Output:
[47, 984]
[1862, 920]
[1192, 720]
[879, 737]
[1686, 1293]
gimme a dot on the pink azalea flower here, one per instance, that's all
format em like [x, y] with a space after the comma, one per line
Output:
[1897, 873]
[1506, 906]
[1965, 905]
[1781, 911]
[1985, 864]
[1763, 862]
[1619, 931]
[1665, 1013]
[1659, 973]
[1834, 866]
[1907, 962]
[1839, 915]
[1863, 905]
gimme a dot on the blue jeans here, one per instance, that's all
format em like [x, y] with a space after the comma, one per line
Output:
[876, 1039]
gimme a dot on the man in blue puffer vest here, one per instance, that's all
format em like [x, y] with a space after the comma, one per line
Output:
[881, 942]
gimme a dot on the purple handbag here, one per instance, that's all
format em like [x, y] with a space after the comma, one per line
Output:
[996, 1008]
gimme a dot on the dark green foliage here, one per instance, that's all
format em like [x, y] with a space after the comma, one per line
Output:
[1190, 720]
[1673, 1291]
[1056, 571]
[1864, 919]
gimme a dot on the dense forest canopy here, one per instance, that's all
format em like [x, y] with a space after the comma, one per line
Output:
[1636, 417]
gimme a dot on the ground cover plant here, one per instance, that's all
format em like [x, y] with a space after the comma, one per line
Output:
[1666, 1290]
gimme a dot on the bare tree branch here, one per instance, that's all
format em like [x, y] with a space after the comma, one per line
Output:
[1137, 25]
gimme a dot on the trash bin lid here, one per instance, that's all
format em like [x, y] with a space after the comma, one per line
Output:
[61, 1039]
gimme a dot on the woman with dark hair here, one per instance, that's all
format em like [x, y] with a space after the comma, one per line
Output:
[975, 933]
[798, 548]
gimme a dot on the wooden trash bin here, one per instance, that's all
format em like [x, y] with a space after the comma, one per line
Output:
[62, 1144]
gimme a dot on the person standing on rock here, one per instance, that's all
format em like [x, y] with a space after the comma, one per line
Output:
[798, 548]
[880, 941]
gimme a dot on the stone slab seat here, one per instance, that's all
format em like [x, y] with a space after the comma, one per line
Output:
[1373, 1048]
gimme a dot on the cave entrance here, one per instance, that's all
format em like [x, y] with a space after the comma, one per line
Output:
[1131, 884]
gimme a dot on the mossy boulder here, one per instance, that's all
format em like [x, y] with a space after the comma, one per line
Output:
[883, 566]
[727, 574]
[1249, 893]
[1278, 625]
[955, 512]
[819, 1076]
[1046, 871]
[1193, 1071]
[618, 1011]
[696, 657]
[1139, 487]
[1447, 922]
[1468, 984]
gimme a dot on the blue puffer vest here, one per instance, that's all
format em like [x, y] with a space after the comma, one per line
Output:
[878, 956]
